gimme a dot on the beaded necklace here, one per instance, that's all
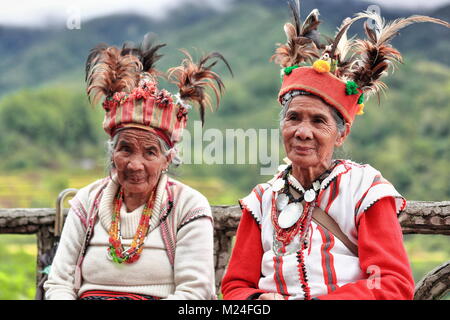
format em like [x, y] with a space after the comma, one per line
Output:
[116, 251]
[286, 230]
[299, 216]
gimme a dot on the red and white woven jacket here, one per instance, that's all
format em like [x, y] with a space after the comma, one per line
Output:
[364, 205]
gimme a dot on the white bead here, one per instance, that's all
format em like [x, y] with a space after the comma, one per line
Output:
[316, 185]
[310, 195]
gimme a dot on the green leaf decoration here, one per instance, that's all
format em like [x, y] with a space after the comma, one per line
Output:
[361, 99]
[351, 88]
[288, 70]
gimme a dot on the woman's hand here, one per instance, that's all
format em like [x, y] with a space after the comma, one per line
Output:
[270, 296]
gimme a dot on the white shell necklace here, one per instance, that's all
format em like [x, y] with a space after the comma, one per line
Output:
[290, 208]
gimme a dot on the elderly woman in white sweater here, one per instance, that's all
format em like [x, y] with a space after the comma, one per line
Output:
[138, 234]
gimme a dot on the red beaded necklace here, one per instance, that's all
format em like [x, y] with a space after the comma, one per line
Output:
[116, 250]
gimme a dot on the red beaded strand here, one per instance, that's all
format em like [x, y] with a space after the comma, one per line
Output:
[285, 236]
[116, 249]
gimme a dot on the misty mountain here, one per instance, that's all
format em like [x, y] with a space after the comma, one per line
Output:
[35, 56]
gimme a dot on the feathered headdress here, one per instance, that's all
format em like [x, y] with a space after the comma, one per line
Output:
[351, 68]
[376, 53]
[193, 78]
[109, 71]
[126, 80]
[146, 52]
[303, 41]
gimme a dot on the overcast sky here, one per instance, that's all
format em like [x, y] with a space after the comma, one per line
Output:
[41, 12]
[413, 4]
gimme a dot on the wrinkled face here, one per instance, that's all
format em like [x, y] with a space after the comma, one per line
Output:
[139, 160]
[310, 132]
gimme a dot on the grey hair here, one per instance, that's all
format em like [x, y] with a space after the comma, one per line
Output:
[111, 145]
[287, 98]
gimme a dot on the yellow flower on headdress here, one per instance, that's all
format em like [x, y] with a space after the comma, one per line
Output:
[322, 66]
[361, 109]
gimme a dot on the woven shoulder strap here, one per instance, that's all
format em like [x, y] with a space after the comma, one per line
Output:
[327, 222]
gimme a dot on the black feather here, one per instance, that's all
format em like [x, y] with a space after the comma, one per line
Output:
[219, 56]
[296, 15]
[146, 52]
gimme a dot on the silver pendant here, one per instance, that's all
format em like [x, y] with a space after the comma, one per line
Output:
[289, 216]
[278, 185]
[282, 201]
[310, 195]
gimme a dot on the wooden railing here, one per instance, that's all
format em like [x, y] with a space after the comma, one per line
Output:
[420, 217]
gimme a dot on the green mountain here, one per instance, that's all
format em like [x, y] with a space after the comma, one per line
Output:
[50, 53]
[45, 120]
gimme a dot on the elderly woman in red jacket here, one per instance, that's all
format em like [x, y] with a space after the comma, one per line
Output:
[324, 228]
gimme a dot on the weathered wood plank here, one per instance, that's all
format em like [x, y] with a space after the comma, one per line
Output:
[435, 284]
[423, 217]
[426, 218]
[21, 220]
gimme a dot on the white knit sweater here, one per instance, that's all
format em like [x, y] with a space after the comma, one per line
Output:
[190, 277]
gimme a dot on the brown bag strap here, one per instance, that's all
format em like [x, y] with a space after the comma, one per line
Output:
[323, 219]
[327, 222]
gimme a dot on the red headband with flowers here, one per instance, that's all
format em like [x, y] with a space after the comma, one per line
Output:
[344, 71]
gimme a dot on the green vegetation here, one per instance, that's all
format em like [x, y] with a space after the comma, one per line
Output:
[18, 271]
[51, 139]
[17, 267]
[426, 252]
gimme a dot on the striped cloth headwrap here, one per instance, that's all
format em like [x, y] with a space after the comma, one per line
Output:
[147, 108]
[125, 79]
